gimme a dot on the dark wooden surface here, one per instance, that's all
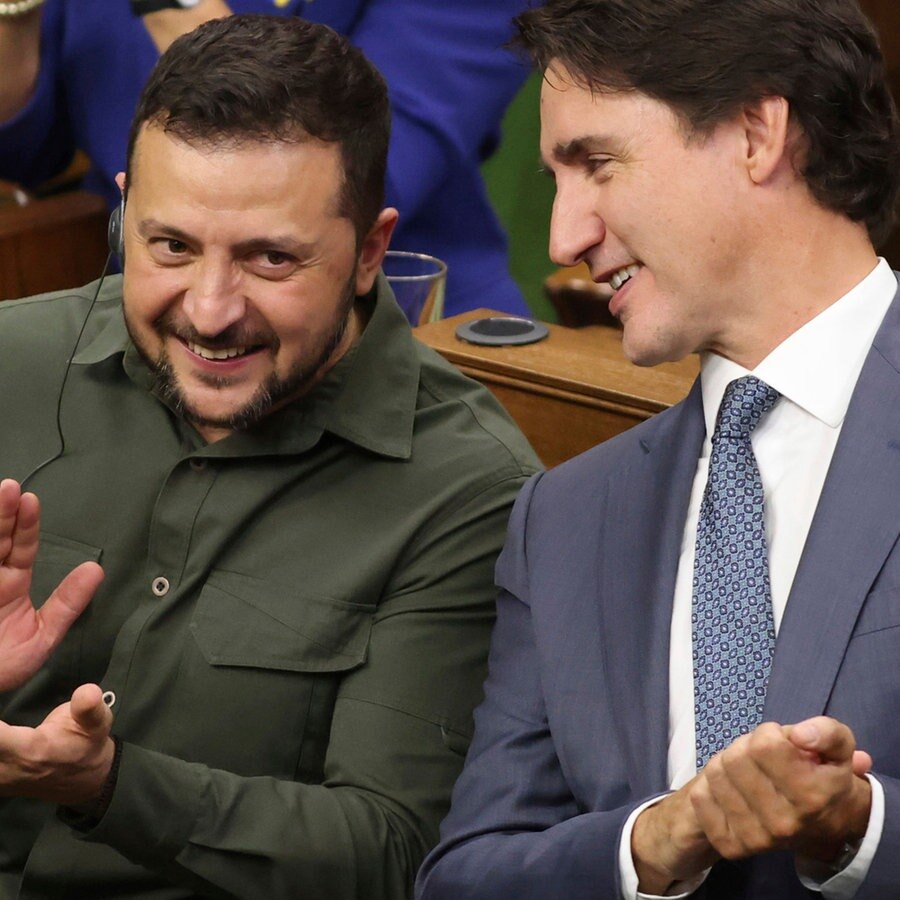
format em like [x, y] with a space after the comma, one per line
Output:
[53, 243]
[569, 391]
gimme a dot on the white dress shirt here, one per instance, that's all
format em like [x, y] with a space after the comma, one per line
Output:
[815, 370]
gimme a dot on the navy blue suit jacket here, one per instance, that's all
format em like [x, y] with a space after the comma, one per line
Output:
[572, 734]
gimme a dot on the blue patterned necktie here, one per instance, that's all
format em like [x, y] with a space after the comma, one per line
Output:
[731, 619]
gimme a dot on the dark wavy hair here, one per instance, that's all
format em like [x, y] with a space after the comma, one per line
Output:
[707, 58]
[276, 78]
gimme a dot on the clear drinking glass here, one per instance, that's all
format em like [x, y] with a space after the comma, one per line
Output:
[418, 281]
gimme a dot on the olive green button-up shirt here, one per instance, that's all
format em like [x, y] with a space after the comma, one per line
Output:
[294, 620]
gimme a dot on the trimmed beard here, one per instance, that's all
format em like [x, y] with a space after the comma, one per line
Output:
[274, 391]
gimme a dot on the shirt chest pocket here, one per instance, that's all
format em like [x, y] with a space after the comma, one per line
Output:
[268, 660]
[245, 622]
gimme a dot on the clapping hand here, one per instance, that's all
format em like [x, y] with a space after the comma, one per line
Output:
[27, 635]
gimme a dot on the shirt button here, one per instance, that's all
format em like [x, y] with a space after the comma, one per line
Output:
[160, 586]
[198, 465]
[109, 698]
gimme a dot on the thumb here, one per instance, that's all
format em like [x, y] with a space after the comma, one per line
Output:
[831, 740]
[89, 711]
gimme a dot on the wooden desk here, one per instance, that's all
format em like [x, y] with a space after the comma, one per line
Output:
[567, 392]
[49, 244]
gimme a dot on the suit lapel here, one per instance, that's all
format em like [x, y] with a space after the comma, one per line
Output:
[854, 528]
[640, 545]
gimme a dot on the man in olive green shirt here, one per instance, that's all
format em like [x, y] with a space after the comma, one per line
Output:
[293, 507]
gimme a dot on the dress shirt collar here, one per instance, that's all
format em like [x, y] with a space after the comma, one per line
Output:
[368, 398]
[816, 367]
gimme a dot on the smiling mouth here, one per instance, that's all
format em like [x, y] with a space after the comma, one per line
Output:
[623, 275]
[214, 354]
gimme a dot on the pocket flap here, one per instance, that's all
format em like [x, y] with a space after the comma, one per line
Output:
[56, 557]
[64, 552]
[244, 621]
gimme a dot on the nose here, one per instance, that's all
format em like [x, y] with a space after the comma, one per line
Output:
[214, 299]
[575, 226]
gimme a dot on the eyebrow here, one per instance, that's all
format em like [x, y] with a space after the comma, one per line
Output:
[146, 226]
[281, 242]
[570, 151]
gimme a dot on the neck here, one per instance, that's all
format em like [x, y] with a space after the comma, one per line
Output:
[805, 268]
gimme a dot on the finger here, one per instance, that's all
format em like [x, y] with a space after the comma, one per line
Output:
[741, 790]
[796, 762]
[9, 510]
[758, 770]
[26, 533]
[832, 740]
[69, 600]
[19, 533]
[711, 818]
[861, 763]
[89, 711]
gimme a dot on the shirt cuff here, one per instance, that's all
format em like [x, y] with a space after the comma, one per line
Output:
[628, 878]
[843, 885]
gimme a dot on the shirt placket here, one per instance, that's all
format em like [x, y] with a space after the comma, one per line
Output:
[162, 587]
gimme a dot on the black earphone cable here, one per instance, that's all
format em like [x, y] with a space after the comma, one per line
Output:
[62, 387]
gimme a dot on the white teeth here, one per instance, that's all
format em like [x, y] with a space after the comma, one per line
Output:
[619, 278]
[206, 353]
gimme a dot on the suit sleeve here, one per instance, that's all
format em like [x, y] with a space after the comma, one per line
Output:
[450, 80]
[515, 829]
[398, 736]
[883, 879]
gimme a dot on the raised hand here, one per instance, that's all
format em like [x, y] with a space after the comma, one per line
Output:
[27, 635]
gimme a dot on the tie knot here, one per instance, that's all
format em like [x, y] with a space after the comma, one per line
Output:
[745, 402]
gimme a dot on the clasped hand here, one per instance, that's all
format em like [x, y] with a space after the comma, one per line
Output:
[782, 787]
[67, 757]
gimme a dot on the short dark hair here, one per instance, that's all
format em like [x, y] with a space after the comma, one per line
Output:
[257, 78]
[707, 58]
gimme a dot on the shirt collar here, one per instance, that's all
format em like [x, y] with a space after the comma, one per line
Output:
[368, 398]
[816, 367]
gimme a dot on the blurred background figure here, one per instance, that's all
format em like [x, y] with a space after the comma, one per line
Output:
[72, 73]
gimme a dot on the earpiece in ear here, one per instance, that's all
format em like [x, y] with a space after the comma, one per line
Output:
[115, 231]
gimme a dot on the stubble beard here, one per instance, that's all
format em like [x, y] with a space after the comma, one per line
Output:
[273, 392]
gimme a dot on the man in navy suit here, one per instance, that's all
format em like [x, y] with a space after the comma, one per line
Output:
[729, 167]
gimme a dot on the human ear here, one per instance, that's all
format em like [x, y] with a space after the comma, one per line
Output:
[373, 248]
[766, 128]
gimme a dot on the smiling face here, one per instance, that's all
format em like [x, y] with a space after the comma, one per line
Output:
[661, 217]
[240, 274]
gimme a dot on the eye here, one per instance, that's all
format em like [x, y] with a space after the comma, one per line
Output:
[168, 250]
[272, 264]
[275, 258]
[595, 165]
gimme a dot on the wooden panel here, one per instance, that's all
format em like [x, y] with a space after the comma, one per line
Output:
[570, 391]
[50, 244]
